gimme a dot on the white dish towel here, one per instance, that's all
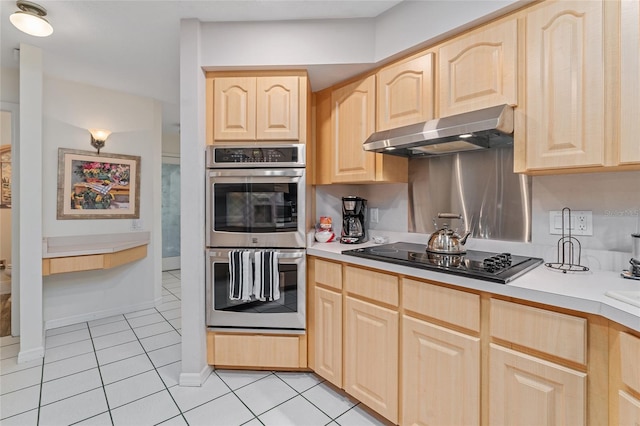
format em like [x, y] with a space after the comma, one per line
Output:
[240, 275]
[266, 282]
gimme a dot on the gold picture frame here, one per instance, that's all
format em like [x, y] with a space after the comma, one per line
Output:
[98, 186]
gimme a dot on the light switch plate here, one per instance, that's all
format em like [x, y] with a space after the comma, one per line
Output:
[581, 222]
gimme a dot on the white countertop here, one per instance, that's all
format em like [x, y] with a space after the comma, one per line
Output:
[82, 245]
[579, 291]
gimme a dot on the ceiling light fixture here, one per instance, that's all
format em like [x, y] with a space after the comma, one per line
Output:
[98, 138]
[30, 19]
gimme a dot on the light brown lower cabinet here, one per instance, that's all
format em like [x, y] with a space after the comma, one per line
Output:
[328, 335]
[525, 390]
[257, 350]
[371, 356]
[440, 375]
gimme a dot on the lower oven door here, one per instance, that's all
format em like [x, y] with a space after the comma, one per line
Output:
[285, 313]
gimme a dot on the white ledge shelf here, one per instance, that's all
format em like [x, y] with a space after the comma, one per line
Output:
[90, 252]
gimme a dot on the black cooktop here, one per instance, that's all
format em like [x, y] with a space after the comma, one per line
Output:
[496, 267]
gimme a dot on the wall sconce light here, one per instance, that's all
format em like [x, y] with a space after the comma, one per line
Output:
[98, 138]
[30, 19]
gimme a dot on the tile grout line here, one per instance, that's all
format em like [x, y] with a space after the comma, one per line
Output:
[308, 400]
[158, 373]
[255, 416]
[104, 391]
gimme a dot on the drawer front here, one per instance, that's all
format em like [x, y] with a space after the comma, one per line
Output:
[556, 334]
[445, 304]
[372, 285]
[328, 274]
[630, 360]
[257, 351]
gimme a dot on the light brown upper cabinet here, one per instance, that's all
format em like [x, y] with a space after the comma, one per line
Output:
[479, 69]
[405, 92]
[353, 110]
[629, 82]
[564, 125]
[264, 108]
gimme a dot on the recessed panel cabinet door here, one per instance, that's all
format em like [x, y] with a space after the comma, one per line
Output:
[405, 93]
[440, 375]
[525, 390]
[371, 356]
[479, 70]
[630, 82]
[328, 335]
[565, 85]
[234, 108]
[352, 122]
[277, 108]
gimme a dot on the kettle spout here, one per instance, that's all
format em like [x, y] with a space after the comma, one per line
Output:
[463, 240]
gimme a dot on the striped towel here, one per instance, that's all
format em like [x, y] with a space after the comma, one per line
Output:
[98, 187]
[266, 283]
[240, 275]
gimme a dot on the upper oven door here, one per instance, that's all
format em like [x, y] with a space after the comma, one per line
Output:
[255, 208]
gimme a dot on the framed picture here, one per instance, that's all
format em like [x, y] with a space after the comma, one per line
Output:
[98, 186]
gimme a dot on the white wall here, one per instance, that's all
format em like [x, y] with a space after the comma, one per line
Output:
[391, 200]
[69, 110]
[420, 23]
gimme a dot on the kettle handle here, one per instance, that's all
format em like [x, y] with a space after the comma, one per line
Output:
[449, 216]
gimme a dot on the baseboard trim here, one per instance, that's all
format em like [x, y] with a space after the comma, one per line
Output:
[31, 354]
[195, 379]
[75, 319]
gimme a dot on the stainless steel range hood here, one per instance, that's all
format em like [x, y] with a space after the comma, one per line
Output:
[481, 129]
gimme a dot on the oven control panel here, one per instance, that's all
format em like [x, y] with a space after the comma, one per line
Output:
[256, 156]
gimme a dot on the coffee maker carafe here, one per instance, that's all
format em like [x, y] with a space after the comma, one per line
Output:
[353, 220]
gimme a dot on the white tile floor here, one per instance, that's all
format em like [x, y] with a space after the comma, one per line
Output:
[123, 370]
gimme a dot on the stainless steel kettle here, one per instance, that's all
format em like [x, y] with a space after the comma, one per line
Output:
[445, 240]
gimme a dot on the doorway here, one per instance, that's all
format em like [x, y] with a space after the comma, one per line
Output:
[170, 212]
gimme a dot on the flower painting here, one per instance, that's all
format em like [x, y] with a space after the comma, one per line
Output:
[97, 186]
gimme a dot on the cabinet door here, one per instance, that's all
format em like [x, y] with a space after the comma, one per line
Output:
[479, 70]
[352, 121]
[440, 375]
[328, 335]
[405, 93]
[234, 113]
[628, 409]
[629, 82]
[565, 85]
[277, 108]
[525, 390]
[371, 356]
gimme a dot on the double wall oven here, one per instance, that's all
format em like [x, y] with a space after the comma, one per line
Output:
[255, 207]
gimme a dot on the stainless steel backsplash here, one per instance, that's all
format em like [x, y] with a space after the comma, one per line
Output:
[479, 185]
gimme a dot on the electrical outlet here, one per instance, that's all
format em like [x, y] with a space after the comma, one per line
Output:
[137, 225]
[373, 215]
[581, 222]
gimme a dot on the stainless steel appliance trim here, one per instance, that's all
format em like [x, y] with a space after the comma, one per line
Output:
[281, 254]
[244, 320]
[299, 147]
[257, 173]
[257, 330]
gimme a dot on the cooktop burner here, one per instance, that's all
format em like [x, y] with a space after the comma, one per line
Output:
[496, 267]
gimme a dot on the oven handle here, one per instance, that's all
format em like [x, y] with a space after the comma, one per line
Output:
[257, 172]
[281, 255]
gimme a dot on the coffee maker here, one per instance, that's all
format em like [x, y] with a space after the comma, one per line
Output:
[353, 220]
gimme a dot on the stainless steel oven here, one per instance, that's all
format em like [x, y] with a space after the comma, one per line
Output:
[255, 196]
[255, 202]
[287, 313]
